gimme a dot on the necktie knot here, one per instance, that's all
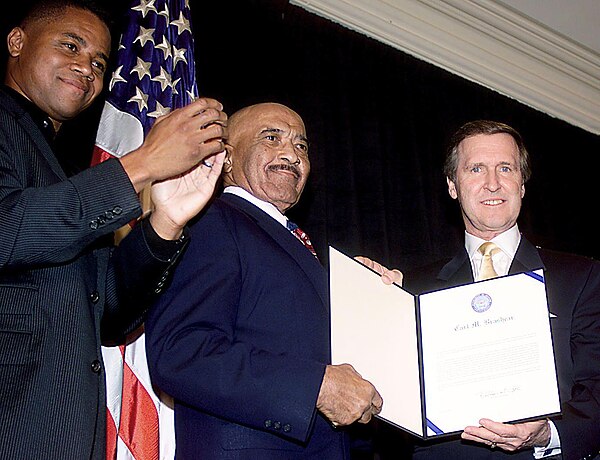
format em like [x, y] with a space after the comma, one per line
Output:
[302, 236]
[487, 250]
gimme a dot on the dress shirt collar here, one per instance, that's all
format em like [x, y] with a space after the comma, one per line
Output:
[508, 242]
[269, 208]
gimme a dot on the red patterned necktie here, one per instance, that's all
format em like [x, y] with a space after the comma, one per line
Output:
[302, 236]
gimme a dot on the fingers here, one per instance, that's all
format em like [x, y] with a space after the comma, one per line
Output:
[387, 276]
[509, 437]
[374, 409]
[392, 276]
[213, 164]
[345, 397]
[179, 141]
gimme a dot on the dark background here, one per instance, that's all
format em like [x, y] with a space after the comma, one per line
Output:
[378, 120]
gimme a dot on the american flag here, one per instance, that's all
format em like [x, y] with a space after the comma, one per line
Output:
[154, 74]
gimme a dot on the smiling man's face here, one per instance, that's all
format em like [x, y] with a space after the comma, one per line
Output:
[268, 151]
[59, 64]
[489, 184]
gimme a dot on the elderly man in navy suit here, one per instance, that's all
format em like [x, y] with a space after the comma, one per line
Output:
[241, 337]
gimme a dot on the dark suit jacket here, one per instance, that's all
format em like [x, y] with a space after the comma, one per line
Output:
[241, 340]
[573, 287]
[58, 280]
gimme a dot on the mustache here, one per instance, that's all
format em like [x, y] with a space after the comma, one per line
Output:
[285, 167]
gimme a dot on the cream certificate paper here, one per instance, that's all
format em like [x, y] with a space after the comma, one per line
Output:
[445, 359]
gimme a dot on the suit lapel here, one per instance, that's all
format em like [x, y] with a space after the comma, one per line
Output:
[36, 136]
[458, 270]
[526, 259]
[284, 238]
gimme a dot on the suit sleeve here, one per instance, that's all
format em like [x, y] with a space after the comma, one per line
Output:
[579, 426]
[199, 352]
[47, 221]
[53, 223]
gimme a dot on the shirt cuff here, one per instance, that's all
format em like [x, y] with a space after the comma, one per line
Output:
[553, 446]
[161, 248]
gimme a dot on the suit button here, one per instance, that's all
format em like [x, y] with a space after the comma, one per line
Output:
[96, 366]
[268, 423]
[277, 425]
[94, 224]
[117, 210]
[94, 297]
[287, 427]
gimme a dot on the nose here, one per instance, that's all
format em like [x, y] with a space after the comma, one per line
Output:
[289, 154]
[83, 67]
[492, 183]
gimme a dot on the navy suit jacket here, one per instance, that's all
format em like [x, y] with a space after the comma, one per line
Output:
[573, 288]
[59, 281]
[241, 340]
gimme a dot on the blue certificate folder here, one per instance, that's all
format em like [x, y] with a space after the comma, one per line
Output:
[443, 360]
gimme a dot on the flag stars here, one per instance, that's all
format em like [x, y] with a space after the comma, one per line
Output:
[182, 24]
[145, 6]
[163, 78]
[165, 47]
[142, 68]
[165, 13]
[174, 87]
[178, 55]
[116, 78]
[159, 111]
[191, 95]
[140, 99]
[144, 36]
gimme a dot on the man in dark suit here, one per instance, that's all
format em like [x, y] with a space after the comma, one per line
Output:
[486, 168]
[241, 337]
[59, 276]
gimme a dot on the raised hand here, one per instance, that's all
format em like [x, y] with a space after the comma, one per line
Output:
[177, 142]
[178, 199]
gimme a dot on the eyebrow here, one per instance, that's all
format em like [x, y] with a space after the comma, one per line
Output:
[82, 42]
[480, 164]
[280, 131]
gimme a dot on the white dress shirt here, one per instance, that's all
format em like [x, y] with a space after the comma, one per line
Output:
[269, 208]
[508, 242]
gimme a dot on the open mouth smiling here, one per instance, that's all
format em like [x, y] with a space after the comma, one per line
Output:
[494, 202]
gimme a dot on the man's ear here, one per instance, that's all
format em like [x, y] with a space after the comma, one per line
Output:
[451, 188]
[228, 164]
[14, 41]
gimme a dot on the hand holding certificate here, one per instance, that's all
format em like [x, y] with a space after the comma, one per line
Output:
[445, 359]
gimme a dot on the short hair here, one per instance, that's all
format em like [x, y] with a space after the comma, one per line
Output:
[47, 10]
[473, 128]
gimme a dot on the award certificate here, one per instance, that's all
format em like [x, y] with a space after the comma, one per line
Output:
[445, 359]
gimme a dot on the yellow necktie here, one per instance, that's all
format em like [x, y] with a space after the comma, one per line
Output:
[487, 249]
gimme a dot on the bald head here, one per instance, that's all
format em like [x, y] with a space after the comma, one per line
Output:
[267, 153]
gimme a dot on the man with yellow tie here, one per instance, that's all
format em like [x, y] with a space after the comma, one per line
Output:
[486, 169]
